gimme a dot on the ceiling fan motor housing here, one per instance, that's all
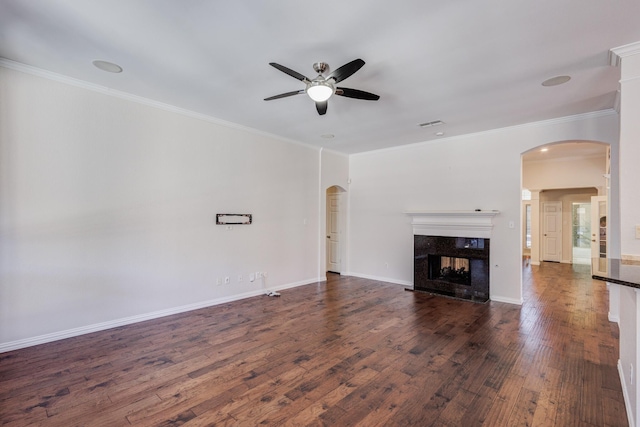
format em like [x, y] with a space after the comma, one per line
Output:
[321, 67]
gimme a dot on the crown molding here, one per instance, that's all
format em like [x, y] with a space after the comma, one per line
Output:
[331, 151]
[617, 53]
[49, 75]
[542, 123]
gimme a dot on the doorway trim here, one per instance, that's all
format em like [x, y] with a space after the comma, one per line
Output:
[335, 230]
[551, 233]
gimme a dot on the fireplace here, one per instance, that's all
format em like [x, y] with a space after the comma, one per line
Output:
[453, 266]
[451, 253]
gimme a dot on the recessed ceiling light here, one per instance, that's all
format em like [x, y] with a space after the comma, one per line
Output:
[429, 124]
[327, 136]
[109, 67]
[555, 81]
[544, 149]
[439, 133]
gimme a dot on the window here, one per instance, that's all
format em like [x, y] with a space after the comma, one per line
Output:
[526, 194]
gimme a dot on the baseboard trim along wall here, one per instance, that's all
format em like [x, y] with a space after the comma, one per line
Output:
[506, 300]
[382, 279]
[70, 333]
[625, 393]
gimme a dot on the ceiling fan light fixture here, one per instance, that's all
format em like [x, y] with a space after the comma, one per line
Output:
[322, 88]
[320, 91]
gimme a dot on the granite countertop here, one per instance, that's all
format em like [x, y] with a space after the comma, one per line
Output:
[619, 271]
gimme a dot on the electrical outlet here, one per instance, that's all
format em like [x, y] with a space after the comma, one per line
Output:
[258, 275]
[252, 277]
[239, 277]
[227, 280]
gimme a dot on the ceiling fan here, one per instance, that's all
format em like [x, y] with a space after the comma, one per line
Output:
[321, 88]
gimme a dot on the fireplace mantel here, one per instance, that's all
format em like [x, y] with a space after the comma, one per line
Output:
[453, 223]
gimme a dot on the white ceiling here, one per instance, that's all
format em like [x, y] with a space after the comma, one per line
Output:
[476, 64]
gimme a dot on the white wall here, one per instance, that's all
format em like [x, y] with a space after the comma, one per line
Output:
[629, 156]
[107, 210]
[565, 173]
[463, 173]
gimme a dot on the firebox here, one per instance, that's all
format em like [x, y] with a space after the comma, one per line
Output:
[452, 266]
[449, 269]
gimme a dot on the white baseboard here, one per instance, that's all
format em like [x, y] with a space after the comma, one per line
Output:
[506, 300]
[612, 318]
[535, 262]
[381, 279]
[69, 333]
[625, 393]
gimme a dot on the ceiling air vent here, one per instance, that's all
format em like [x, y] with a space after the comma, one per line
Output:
[430, 124]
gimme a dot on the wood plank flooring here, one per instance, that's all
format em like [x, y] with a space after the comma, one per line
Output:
[347, 352]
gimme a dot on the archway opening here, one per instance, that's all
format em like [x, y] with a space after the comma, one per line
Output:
[335, 229]
[559, 180]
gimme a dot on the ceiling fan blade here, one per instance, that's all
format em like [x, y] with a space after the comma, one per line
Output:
[284, 95]
[289, 71]
[346, 70]
[357, 94]
[321, 107]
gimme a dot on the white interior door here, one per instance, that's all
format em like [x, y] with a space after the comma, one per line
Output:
[599, 233]
[334, 258]
[552, 231]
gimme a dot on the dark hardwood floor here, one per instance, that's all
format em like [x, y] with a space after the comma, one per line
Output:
[347, 352]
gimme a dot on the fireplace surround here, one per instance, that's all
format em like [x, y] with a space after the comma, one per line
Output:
[452, 253]
[452, 266]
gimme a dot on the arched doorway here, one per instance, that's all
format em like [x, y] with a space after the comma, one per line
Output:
[561, 179]
[335, 226]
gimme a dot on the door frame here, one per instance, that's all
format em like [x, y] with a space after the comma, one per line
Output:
[597, 230]
[558, 219]
[341, 193]
[331, 266]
